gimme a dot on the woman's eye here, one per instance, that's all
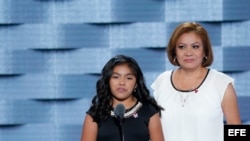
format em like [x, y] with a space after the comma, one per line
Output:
[196, 46]
[181, 47]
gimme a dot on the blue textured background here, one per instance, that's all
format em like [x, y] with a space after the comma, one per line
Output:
[52, 51]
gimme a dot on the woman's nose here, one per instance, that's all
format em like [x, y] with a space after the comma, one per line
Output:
[188, 52]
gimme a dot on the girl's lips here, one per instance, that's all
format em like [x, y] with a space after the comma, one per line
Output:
[121, 90]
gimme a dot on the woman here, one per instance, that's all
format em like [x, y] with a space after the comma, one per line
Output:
[122, 82]
[196, 98]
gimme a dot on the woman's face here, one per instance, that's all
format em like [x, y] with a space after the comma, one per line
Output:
[122, 82]
[189, 51]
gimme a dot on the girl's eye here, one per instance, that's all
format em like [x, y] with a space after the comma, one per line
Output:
[114, 76]
[130, 78]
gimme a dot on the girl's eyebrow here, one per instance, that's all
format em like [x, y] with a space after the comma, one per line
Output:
[121, 74]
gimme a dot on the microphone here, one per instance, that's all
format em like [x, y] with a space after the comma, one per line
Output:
[119, 113]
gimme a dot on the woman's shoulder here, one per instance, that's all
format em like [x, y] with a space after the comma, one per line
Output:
[161, 79]
[220, 75]
[220, 79]
[164, 75]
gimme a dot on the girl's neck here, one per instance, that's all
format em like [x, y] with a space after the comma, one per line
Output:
[128, 103]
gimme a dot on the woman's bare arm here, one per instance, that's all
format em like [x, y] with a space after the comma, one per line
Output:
[230, 106]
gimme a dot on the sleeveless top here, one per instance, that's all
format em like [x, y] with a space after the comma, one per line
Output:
[195, 115]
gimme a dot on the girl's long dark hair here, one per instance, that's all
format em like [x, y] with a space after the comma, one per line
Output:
[101, 103]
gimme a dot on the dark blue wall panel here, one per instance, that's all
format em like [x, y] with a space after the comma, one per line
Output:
[52, 53]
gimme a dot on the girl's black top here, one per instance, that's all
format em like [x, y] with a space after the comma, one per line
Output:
[134, 126]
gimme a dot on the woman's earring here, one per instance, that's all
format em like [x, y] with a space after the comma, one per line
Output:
[175, 59]
[205, 57]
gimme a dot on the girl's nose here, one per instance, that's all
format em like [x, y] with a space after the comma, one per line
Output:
[122, 81]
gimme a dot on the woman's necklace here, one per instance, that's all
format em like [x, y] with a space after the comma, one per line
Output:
[184, 94]
[184, 97]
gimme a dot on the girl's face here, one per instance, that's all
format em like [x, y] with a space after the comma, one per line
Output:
[122, 82]
[189, 51]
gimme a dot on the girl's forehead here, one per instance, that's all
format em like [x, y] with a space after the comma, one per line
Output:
[123, 69]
